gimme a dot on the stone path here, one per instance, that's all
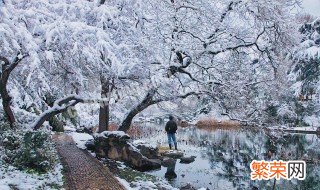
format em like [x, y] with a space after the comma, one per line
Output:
[82, 171]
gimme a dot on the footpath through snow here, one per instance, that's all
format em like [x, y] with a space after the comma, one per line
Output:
[82, 171]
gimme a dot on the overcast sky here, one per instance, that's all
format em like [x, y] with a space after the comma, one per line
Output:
[312, 6]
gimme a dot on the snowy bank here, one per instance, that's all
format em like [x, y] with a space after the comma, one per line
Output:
[148, 185]
[137, 143]
[80, 139]
[116, 134]
[12, 178]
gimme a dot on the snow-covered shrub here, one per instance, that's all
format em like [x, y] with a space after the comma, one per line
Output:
[30, 150]
[271, 116]
[272, 110]
[36, 152]
[4, 126]
[10, 143]
[286, 114]
[282, 112]
[56, 124]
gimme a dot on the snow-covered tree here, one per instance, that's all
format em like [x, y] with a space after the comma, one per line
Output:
[17, 44]
[307, 58]
[304, 74]
[124, 51]
[225, 49]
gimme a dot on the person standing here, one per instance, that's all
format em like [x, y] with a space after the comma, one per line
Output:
[171, 129]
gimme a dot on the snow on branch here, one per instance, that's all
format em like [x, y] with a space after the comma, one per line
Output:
[175, 97]
[59, 106]
[8, 67]
[5, 60]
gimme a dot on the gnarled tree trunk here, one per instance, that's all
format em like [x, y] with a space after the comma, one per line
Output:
[6, 70]
[145, 103]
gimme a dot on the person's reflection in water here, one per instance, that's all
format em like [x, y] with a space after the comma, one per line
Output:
[171, 174]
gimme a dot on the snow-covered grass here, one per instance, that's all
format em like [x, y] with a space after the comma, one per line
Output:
[80, 139]
[147, 185]
[12, 178]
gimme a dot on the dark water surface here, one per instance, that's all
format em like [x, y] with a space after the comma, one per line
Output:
[223, 157]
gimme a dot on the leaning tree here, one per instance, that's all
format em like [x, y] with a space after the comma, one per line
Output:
[230, 50]
[18, 50]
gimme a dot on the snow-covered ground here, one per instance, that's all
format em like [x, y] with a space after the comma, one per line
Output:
[305, 128]
[147, 185]
[12, 178]
[81, 138]
[312, 128]
[312, 120]
[69, 128]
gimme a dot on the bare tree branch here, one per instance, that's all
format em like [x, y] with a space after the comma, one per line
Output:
[230, 7]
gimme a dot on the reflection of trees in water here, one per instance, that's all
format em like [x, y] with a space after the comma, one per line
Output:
[297, 147]
[233, 151]
[312, 180]
[228, 151]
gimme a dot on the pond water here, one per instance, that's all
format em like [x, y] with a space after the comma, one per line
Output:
[223, 157]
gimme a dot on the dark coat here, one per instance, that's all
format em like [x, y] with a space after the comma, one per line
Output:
[171, 126]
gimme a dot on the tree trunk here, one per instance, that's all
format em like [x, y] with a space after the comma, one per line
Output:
[146, 102]
[7, 68]
[104, 105]
[6, 101]
[126, 124]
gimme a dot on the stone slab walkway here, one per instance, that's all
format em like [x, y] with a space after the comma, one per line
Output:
[82, 171]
